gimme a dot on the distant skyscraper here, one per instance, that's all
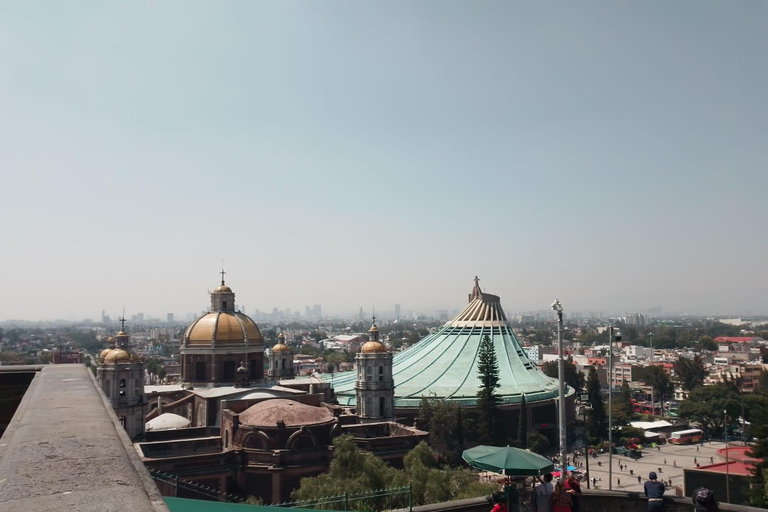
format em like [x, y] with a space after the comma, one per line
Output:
[360, 314]
[397, 311]
[287, 312]
[169, 318]
[317, 310]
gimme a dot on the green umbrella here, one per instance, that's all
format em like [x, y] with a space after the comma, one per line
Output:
[507, 460]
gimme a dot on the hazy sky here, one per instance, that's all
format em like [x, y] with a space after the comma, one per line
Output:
[612, 154]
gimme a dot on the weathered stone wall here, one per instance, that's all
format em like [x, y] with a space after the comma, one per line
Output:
[65, 450]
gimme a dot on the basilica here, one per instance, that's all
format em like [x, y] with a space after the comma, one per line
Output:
[240, 421]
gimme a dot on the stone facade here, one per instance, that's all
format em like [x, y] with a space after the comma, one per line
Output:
[374, 387]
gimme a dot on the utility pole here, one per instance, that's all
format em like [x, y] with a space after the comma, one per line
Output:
[561, 396]
[610, 408]
[727, 464]
[585, 405]
[612, 337]
[653, 398]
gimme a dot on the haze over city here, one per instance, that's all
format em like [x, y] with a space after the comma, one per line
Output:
[358, 154]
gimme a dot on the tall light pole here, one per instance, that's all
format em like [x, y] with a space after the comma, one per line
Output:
[561, 397]
[727, 464]
[611, 337]
[653, 398]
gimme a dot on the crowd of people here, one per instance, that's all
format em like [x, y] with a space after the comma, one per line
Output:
[564, 495]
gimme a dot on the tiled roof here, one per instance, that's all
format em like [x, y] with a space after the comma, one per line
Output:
[444, 364]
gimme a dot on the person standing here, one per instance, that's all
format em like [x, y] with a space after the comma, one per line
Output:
[561, 500]
[498, 503]
[654, 491]
[573, 487]
[544, 494]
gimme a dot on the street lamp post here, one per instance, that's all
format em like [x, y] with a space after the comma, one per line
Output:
[561, 394]
[727, 464]
[611, 337]
[585, 406]
[653, 397]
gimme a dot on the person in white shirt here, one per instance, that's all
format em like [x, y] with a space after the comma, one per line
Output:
[544, 494]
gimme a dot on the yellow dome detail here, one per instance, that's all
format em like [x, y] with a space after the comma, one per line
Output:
[119, 356]
[110, 339]
[121, 333]
[223, 289]
[373, 347]
[280, 347]
[373, 328]
[230, 329]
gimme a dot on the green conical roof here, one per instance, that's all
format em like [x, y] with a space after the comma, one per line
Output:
[444, 364]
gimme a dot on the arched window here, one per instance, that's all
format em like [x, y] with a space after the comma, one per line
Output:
[381, 407]
[226, 438]
[275, 364]
[381, 373]
[283, 364]
[367, 373]
[225, 304]
[122, 383]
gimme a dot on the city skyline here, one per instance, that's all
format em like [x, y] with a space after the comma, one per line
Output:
[608, 154]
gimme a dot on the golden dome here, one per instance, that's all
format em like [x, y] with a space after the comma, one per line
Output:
[121, 333]
[227, 328]
[373, 347]
[223, 289]
[110, 339]
[280, 347]
[104, 352]
[373, 328]
[119, 356]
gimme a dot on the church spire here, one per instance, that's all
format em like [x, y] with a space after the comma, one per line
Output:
[373, 332]
[476, 293]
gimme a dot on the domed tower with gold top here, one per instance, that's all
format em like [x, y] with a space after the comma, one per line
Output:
[121, 376]
[374, 387]
[215, 344]
[280, 360]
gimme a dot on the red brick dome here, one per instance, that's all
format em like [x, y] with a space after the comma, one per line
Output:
[294, 414]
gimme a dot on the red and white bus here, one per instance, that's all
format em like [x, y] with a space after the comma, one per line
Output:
[693, 435]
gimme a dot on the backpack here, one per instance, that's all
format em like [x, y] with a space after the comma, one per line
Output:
[704, 497]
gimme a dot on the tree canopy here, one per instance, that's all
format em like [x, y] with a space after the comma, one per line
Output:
[357, 471]
[690, 373]
[705, 405]
[487, 397]
[597, 420]
[573, 377]
[657, 377]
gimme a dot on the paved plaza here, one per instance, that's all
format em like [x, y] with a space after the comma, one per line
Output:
[661, 460]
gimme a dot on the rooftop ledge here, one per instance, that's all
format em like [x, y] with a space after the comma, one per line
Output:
[64, 449]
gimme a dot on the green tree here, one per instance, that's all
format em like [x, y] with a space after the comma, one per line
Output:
[318, 335]
[597, 420]
[623, 410]
[690, 373]
[538, 443]
[442, 419]
[487, 397]
[658, 379]
[351, 470]
[573, 377]
[705, 406]
[522, 429]
[356, 471]
[756, 407]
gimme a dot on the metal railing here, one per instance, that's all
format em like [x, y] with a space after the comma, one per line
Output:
[379, 500]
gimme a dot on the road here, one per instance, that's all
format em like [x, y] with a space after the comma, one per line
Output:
[660, 460]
